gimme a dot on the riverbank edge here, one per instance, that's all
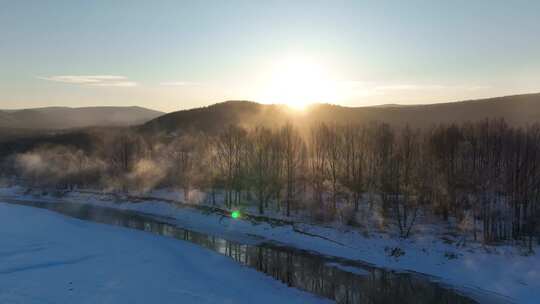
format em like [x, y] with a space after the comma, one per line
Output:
[450, 264]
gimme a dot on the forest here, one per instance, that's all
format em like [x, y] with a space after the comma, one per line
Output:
[481, 177]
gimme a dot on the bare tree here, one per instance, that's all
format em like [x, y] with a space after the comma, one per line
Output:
[261, 165]
[353, 158]
[293, 147]
[230, 148]
[317, 164]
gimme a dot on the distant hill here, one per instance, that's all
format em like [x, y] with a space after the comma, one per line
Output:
[213, 118]
[517, 110]
[55, 118]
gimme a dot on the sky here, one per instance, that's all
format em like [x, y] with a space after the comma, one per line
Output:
[171, 55]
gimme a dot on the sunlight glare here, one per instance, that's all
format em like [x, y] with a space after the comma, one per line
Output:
[299, 82]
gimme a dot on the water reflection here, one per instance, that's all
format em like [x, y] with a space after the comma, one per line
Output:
[317, 274]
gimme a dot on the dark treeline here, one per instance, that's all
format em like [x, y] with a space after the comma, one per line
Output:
[485, 174]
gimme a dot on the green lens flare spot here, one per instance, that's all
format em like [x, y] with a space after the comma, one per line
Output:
[235, 214]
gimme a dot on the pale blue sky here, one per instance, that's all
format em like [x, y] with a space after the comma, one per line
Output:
[171, 55]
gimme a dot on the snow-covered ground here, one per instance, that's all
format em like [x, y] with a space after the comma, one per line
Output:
[501, 269]
[48, 258]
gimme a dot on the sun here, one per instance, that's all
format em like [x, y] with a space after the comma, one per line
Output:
[298, 82]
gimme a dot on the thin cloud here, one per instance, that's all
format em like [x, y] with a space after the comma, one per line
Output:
[373, 88]
[178, 83]
[93, 80]
[409, 87]
[413, 87]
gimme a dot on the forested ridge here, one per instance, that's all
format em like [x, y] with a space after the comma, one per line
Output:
[516, 110]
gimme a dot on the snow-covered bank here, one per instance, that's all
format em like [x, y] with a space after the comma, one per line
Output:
[499, 269]
[49, 258]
